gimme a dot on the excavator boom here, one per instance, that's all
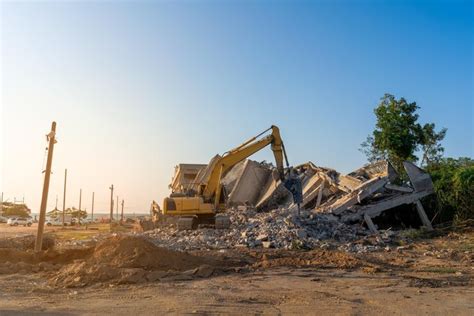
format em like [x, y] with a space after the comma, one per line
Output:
[213, 188]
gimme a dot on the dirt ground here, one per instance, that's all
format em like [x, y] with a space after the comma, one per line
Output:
[429, 276]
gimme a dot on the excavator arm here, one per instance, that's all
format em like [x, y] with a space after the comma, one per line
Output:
[212, 189]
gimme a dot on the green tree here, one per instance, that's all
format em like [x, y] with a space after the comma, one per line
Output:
[74, 212]
[54, 213]
[398, 135]
[431, 144]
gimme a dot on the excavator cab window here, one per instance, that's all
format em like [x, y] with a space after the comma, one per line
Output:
[170, 205]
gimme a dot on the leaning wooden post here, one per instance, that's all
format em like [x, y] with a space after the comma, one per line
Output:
[93, 206]
[80, 199]
[116, 209]
[44, 198]
[111, 204]
[64, 193]
[121, 217]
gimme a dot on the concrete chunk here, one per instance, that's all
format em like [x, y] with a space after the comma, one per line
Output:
[250, 181]
[420, 180]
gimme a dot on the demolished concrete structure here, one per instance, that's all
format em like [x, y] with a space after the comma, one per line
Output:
[358, 196]
[355, 197]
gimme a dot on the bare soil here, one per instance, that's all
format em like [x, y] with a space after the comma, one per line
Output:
[123, 274]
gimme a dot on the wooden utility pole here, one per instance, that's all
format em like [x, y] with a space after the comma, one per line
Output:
[111, 203]
[92, 206]
[80, 198]
[44, 199]
[121, 218]
[116, 208]
[64, 194]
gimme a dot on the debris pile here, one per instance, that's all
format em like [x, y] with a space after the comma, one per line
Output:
[26, 242]
[280, 228]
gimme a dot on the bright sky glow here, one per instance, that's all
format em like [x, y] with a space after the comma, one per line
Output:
[137, 87]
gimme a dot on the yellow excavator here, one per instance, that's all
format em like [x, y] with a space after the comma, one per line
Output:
[203, 206]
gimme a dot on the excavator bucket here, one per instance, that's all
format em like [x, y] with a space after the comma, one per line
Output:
[294, 185]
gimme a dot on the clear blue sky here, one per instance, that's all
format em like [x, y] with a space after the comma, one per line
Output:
[141, 86]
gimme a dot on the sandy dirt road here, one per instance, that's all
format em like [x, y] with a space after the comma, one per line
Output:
[274, 291]
[12, 231]
[17, 231]
[428, 277]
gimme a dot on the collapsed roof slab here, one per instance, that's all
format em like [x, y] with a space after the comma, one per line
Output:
[250, 182]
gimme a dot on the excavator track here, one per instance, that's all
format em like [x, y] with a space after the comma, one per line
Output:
[187, 223]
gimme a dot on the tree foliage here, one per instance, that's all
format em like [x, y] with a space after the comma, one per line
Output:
[73, 212]
[398, 135]
[454, 186]
[12, 209]
[431, 144]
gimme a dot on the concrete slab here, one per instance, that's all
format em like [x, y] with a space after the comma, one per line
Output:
[249, 184]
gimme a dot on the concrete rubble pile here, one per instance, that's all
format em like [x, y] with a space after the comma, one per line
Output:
[335, 207]
[280, 228]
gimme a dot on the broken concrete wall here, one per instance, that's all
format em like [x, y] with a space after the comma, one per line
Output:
[245, 181]
[232, 176]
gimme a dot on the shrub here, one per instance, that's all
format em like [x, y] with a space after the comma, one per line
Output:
[453, 181]
[11, 209]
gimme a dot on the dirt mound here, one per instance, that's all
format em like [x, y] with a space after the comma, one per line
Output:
[131, 259]
[137, 252]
